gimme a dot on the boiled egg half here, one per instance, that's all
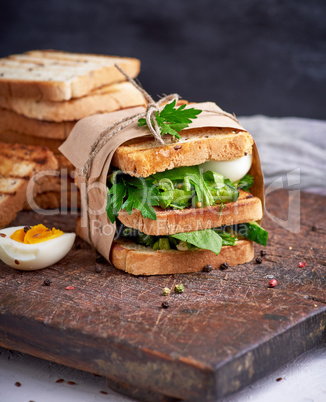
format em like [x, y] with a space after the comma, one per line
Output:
[36, 247]
[233, 170]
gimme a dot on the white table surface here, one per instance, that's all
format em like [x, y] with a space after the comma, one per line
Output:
[289, 143]
[303, 380]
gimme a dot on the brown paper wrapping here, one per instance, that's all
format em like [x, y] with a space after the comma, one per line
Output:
[77, 148]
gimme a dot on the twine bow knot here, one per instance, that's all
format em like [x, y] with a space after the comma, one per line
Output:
[149, 114]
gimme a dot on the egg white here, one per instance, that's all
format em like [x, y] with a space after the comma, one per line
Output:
[29, 257]
[233, 170]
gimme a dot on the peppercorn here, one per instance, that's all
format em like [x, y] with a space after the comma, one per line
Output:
[314, 228]
[208, 268]
[98, 269]
[263, 253]
[224, 266]
[165, 304]
[47, 282]
[272, 283]
[27, 228]
[259, 260]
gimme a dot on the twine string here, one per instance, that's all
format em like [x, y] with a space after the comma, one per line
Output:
[149, 114]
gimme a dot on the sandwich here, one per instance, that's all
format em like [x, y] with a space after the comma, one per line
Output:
[185, 205]
[193, 201]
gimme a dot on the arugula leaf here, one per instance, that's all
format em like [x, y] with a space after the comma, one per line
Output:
[206, 239]
[172, 120]
[245, 183]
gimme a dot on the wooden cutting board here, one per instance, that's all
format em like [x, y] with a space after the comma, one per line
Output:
[225, 331]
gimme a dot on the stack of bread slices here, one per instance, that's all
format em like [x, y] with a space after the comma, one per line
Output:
[42, 96]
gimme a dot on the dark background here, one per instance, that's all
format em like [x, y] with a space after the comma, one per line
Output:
[249, 56]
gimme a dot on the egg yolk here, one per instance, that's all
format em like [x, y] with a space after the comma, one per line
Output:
[36, 234]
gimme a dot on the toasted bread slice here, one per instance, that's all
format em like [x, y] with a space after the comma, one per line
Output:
[12, 137]
[144, 156]
[48, 183]
[22, 161]
[12, 198]
[140, 260]
[18, 164]
[105, 99]
[170, 221]
[15, 137]
[54, 199]
[13, 121]
[58, 76]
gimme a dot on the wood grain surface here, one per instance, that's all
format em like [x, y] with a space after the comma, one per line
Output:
[225, 331]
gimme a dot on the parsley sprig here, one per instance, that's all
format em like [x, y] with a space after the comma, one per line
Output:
[130, 193]
[172, 120]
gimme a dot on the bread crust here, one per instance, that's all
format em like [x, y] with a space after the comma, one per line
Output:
[103, 100]
[18, 164]
[169, 221]
[140, 260]
[144, 157]
[11, 202]
[15, 137]
[58, 76]
[13, 121]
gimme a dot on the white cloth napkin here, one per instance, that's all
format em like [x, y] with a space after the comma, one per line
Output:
[291, 144]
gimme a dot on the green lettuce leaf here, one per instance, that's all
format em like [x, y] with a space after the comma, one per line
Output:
[252, 231]
[206, 239]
